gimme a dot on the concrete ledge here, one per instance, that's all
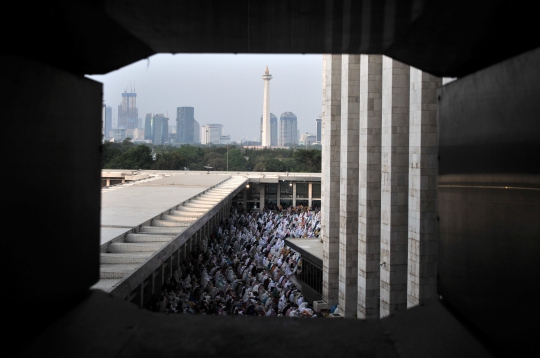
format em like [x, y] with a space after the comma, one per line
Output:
[104, 326]
[171, 223]
[161, 230]
[181, 218]
[133, 258]
[140, 238]
[124, 247]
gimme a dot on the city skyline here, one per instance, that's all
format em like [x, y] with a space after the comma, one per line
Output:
[224, 89]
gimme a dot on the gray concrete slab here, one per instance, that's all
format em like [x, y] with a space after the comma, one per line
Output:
[129, 205]
[313, 246]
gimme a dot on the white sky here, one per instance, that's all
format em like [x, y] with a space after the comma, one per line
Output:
[223, 88]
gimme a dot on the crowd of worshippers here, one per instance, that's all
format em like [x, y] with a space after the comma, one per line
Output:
[243, 268]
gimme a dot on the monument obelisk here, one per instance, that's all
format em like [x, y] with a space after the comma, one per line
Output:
[265, 135]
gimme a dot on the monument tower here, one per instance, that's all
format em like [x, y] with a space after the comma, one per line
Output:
[266, 138]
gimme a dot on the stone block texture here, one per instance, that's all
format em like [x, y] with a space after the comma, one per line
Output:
[369, 200]
[423, 176]
[394, 186]
[348, 206]
[330, 172]
[379, 185]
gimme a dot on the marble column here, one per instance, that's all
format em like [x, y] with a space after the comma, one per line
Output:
[423, 177]
[369, 200]
[394, 186]
[348, 190]
[331, 139]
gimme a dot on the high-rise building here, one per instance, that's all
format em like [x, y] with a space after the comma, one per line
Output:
[148, 126]
[103, 118]
[288, 132]
[160, 129]
[319, 129]
[211, 133]
[185, 118]
[273, 130]
[107, 121]
[265, 136]
[196, 132]
[128, 114]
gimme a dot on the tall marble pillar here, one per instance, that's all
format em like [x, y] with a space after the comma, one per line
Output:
[394, 186]
[348, 209]
[266, 137]
[331, 141]
[369, 200]
[423, 176]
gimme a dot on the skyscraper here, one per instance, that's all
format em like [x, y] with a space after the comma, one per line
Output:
[160, 129]
[148, 126]
[107, 125]
[185, 118]
[319, 129]
[196, 132]
[211, 133]
[128, 114]
[103, 118]
[108, 119]
[265, 136]
[273, 129]
[288, 133]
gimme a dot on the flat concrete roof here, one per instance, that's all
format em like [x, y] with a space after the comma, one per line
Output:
[312, 249]
[254, 177]
[125, 206]
[128, 205]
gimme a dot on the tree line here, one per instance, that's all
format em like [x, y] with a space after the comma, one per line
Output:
[128, 155]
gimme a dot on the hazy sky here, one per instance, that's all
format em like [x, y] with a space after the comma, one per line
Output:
[226, 89]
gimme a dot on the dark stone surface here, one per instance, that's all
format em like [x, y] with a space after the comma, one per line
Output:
[52, 190]
[104, 326]
[441, 37]
[489, 201]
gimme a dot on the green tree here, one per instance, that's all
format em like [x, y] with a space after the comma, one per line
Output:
[236, 160]
[191, 153]
[274, 165]
[109, 151]
[259, 167]
[290, 165]
[137, 157]
[307, 160]
[169, 161]
[128, 143]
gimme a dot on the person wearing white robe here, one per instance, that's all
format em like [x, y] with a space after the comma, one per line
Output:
[282, 303]
[288, 270]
